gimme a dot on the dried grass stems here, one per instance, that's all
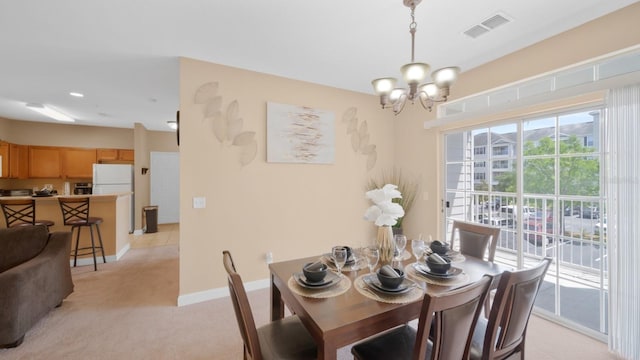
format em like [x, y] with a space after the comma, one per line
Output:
[407, 185]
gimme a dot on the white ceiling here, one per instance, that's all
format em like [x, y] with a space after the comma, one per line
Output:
[123, 54]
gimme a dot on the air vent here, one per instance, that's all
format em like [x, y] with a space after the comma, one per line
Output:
[487, 25]
[495, 21]
[476, 31]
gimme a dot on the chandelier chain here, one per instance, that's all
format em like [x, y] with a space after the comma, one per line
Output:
[412, 30]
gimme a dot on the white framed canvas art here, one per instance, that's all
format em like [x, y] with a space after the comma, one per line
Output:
[298, 134]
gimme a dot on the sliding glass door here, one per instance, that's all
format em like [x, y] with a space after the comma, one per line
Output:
[540, 181]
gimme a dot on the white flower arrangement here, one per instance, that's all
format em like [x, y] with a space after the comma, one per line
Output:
[384, 212]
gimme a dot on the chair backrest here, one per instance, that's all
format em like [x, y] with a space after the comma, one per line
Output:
[511, 309]
[75, 210]
[19, 211]
[454, 315]
[242, 308]
[476, 239]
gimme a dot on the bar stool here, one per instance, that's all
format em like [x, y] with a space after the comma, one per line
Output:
[75, 213]
[22, 212]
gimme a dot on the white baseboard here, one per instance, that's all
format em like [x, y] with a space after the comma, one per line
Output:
[201, 296]
[111, 258]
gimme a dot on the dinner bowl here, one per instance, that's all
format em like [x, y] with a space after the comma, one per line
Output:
[438, 267]
[391, 282]
[439, 247]
[314, 272]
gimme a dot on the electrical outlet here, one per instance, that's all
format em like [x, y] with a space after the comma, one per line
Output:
[269, 257]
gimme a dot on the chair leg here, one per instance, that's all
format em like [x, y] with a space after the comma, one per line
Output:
[104, 258]
[93, 250]
[75, 255]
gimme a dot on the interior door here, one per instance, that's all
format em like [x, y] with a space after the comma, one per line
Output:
[165, 185]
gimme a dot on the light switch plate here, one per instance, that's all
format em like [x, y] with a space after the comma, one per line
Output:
[199, 202]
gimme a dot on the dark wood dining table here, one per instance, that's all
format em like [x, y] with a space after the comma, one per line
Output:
[341, 320]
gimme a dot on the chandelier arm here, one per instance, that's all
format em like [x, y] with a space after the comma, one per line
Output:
[426, 102]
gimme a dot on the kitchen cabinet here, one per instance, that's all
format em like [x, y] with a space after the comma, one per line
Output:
[18, 161]
[78, 163]
[45, 162]
[124, 156]
[4, 154]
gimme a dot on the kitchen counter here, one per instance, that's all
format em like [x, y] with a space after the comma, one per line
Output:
[114, 209]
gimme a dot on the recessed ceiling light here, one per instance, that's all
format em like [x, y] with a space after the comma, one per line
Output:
[76, 94]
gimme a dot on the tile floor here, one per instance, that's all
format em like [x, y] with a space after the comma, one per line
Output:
[168, 234]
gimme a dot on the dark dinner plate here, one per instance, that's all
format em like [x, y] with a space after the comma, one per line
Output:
[329, 280]
[424, 270]
[373, 282]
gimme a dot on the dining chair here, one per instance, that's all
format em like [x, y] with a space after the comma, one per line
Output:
[454, 315]
[503, 334]
[476, 239]
[286, 338]
[75, 213]
[22, 212]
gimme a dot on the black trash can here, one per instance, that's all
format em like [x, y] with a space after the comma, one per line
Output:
[150, 219]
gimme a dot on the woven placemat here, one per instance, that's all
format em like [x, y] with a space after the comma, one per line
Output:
[410, 296]
[461, 279]
[335, 290]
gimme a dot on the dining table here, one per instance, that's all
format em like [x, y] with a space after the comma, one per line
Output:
[353, 312]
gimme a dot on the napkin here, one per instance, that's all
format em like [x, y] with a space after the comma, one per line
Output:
[437, 259]
[316, 266]
[387, 270]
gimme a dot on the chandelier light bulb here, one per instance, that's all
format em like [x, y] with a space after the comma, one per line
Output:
[446, 76]
[414, 72]
[384, 86]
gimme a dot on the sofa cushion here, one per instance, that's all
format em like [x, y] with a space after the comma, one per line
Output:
[20, 244]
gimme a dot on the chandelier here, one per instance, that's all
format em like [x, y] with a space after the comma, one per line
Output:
[414, 74]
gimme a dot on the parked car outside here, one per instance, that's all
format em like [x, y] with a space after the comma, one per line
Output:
[601, 227]
[590, 212]
[510, 212]
[537, 225]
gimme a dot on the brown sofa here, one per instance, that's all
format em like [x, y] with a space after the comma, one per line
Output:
[35, 277]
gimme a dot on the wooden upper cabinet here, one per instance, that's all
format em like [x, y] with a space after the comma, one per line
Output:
[45, 162]
[78, 163]
[4, 153]
[18, 161]
[124, 156]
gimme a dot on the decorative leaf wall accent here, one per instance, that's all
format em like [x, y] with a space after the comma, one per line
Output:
[360, 136]
[226, 127]
[206, 93]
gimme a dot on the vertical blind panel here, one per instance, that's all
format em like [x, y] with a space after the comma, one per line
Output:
[623, 183]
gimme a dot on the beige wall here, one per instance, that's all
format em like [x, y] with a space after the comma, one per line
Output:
[421, 149]
[292, 210]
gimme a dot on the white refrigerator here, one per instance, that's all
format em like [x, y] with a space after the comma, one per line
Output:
[113, 179]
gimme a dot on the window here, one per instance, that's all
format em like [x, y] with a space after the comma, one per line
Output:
[480, 150]
[559, 212]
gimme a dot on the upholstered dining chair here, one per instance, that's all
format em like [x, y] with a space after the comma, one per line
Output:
[503, 333]
[286, 338]
[476, 239]
[22, 212]
[454, 315]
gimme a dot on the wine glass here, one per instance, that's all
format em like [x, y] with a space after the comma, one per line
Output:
[339, 255]
[401, 243]
[373, 255]
[417, 247]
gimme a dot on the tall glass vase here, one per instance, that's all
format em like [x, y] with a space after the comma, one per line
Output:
[385, 244]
